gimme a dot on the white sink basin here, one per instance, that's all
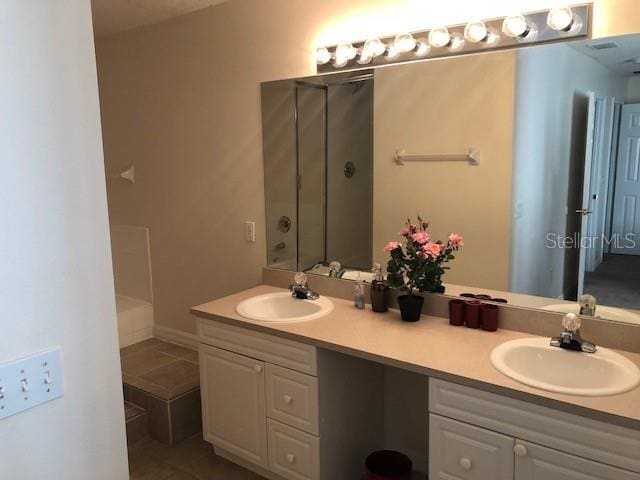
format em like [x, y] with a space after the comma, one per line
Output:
[533, 362]
[609, 313]
[282, 307]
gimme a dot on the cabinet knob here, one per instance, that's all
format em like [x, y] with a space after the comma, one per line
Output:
[287, 399]
[465, 464]
[291, 457]
[258, 368]
[520, 450]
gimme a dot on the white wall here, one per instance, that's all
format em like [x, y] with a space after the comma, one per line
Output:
[547, 82]
[633, 90]
[56, 284]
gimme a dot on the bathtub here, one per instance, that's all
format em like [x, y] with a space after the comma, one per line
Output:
[135, 320]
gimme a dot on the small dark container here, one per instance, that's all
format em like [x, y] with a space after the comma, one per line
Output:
[438, 289]
[388, 465]
[472, 313]
[379, 296]
[499, 300]
[489, 315]
[482, 296]
[456, 312]
[410, 307]
[468, 295]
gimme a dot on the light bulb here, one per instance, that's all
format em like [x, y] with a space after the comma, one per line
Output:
[476, 31]
[323, 55]
[457, 42]
[560, 18]
[422, 47]
[439, 37]
[404, 42]
[373, 48]
[515, 26]
[393, 52]
[344, 53]
[364, 57]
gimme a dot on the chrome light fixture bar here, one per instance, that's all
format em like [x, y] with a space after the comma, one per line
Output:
[553, 25]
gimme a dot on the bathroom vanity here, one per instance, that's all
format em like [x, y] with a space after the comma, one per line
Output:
[309, 400]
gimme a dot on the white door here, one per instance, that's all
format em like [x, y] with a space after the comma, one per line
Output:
[586, 210]
[534, 462]
[464, 452]
[626, 205]
[233, 403]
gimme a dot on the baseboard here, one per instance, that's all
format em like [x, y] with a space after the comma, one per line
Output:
[175, 336]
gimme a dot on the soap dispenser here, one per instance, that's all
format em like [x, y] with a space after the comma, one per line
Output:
[358, 294]
[379, 291]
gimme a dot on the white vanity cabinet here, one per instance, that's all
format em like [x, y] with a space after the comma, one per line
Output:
[285, 409]
[475, 435]
[233, 397]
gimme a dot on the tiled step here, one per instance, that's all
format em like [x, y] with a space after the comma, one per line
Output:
[164, 379]
[136, 422]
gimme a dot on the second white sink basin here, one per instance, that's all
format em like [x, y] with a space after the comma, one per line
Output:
[609, 313]
[282, 307]
[533, 362]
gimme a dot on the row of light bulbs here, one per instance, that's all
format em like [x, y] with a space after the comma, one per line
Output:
[561, 19]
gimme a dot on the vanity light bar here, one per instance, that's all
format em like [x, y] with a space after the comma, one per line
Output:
[553, 25]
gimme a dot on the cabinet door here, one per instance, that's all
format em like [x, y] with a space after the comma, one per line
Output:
[233, 403]
[458, 451]
[534, 462]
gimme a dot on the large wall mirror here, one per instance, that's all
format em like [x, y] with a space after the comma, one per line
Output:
[550, 211]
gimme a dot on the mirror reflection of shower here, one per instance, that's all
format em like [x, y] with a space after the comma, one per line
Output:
[318, 153]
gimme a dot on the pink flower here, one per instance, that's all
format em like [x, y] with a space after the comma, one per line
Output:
[391, 246]
[432, 250]
[405, 232]
[455, 240]
[421, 237]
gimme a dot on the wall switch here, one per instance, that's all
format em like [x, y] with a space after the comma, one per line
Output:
[30, 381]
[250, 231]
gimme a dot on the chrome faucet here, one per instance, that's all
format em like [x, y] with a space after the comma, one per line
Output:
[334, 269]
[570, 337]
[587, 305]
[301, 288]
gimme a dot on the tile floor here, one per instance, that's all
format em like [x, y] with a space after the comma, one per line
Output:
[192, 459]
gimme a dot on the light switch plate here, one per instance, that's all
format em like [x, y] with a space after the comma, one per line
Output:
[30, 381]
[250, 231]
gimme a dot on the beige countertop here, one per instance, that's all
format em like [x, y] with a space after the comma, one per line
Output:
[431, 347]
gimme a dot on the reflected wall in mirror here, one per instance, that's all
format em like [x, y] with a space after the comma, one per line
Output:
[551, 211]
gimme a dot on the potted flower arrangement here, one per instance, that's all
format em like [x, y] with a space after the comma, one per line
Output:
[418, 266]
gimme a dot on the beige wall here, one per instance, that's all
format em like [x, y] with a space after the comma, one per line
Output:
[446, 107]
[56, 281]
[181, 100]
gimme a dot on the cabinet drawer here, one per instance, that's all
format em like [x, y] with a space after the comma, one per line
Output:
[292, 398]
[293, 454]
[581, 436]
[534, 461]
[272, 349]
[465, 452]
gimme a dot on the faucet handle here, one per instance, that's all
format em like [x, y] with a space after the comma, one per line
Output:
[300, 278]
[571, 323]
